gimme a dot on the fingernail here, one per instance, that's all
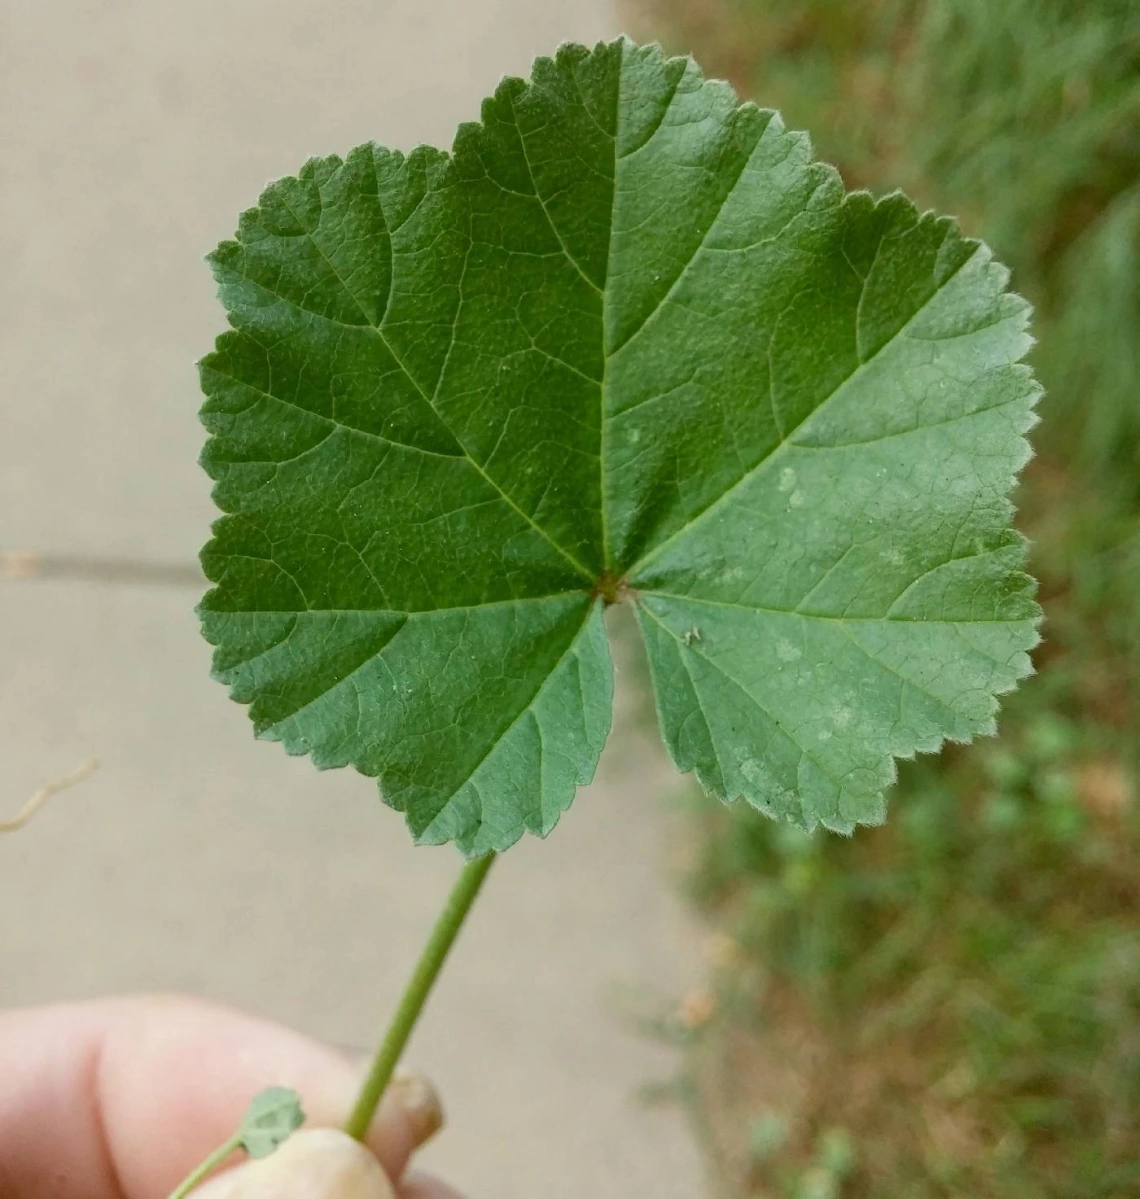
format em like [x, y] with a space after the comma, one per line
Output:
[419, 1101]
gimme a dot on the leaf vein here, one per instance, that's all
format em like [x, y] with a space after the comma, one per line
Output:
[786, 439]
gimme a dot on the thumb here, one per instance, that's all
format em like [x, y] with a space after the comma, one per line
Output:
[312, 1164]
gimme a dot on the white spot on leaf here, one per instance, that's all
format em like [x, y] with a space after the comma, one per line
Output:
[766, 786]
[786, 651]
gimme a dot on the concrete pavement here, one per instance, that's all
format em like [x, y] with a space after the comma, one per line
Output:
[133, 131]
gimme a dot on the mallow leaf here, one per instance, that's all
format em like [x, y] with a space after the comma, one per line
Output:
[627, 341]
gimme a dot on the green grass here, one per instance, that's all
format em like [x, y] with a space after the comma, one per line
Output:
[957, 991]
[950, 1005]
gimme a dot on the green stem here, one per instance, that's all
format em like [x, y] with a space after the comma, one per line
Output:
[207, 1167]
[442, 937]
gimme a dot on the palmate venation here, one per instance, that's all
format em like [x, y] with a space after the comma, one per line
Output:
[626, 341]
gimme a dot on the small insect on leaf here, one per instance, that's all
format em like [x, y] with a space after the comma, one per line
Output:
[271, 1117]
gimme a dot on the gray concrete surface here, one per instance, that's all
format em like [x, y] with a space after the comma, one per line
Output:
[131, 135]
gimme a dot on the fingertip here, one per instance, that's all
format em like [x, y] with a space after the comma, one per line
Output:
[320, 1163]
[410, 1114]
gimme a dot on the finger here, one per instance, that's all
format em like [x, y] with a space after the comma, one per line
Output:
[312, 1164]
[123, 1098]
[410, 1114]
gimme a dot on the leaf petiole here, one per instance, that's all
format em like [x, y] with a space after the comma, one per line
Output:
[206, 1168]
[419, 986]
[272, 1116]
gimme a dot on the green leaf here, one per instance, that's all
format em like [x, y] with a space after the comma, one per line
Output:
[627, 341]
[271, 1117]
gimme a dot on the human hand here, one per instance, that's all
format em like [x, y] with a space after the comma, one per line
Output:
[120, 1099]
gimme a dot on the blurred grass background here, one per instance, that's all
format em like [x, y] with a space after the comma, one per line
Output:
[950, 1005]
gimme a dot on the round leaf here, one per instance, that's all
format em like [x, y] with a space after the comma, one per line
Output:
[626, 341]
